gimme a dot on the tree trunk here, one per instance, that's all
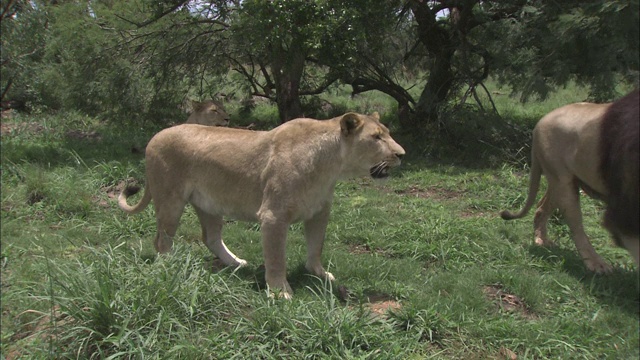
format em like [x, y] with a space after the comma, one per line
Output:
[436, 90]
[288, 67]
[440, 42]
[288, 97]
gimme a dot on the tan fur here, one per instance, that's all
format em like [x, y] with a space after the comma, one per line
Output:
[566, 150]
[275, 177]
[210, 113]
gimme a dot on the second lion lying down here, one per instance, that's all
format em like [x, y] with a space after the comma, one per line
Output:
[275, 177]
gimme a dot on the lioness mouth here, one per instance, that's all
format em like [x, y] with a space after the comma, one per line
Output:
[379, 171]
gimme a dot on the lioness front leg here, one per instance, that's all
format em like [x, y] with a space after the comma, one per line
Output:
[212, 238]
[314, 233]
[274, 239]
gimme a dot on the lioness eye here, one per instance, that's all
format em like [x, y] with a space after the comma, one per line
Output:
[377, 136]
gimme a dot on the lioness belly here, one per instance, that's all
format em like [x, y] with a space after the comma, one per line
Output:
[233, 204]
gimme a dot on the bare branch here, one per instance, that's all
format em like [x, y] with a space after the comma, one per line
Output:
[157, 17]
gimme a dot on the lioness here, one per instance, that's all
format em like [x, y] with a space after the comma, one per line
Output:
[210, 112]
[567, 149]
[274, 177]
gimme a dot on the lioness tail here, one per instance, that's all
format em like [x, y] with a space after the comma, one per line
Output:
[129, 209]
[534, 184]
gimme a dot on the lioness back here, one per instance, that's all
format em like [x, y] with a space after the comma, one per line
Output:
[220, 164]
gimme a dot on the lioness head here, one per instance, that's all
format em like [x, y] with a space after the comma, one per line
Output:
[209, 112]
[372, 149]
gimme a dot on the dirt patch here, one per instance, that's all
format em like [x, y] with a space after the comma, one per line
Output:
[83, 135]
[6, 114]
[383, 307]
[382, 304]
[471, 213]
[433, 192]
[29, 127]
[46, 328]
[379, 304]
[507, 302]
[365, 249]
[506, 354]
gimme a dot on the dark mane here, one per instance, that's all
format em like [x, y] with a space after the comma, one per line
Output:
[620, 163]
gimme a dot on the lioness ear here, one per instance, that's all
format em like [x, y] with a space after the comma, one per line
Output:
[349, 122]
[375, 115]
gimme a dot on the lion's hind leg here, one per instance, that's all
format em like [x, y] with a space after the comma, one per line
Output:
[212, 238]
[541, 218]
[568, 201]
[632, 244]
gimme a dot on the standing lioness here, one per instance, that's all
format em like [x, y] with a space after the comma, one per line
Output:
[275, 177]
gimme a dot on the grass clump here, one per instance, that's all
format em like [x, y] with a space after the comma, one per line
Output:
[117, 302]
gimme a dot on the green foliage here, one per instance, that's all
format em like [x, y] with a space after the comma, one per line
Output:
[23, 40]
[551, 44]
[136, 61]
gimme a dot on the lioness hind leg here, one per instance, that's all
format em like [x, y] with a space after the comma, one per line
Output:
[212, 238]
[541, 218]
[167, 225]
[569, 205]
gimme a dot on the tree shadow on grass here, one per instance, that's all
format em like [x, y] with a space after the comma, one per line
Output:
[619, 288]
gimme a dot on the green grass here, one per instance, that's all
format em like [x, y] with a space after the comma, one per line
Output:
[81, 280]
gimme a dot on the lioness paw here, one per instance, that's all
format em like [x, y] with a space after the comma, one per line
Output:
[276, 293]
[320, 272]
[544, 242]
[241, 263]
[329, 276]
[598, 266]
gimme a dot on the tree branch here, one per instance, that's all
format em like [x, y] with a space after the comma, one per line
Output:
[155, 18]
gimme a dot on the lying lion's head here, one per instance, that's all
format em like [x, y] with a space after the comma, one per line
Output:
[374, 151]
[208, 112]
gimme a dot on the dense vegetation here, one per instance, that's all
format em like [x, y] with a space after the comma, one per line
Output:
[134, 60]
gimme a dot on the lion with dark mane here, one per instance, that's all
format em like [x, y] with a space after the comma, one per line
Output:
[619, 167]
[593, 147]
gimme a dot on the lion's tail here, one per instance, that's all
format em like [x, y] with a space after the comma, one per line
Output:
[534, 184]
[133, 209]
